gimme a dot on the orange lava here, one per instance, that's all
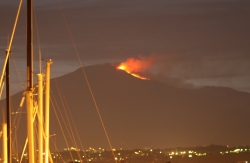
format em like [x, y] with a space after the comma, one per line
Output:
[127, 68]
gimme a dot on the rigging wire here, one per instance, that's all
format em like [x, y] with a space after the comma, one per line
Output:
[54, 108]
[9, 46]
[12, 59]
[19, 110]
[10, 43]
[71, 131]
[66, 107]
[57, 150]
[88, 84]
[16, 143]
[1, 87]
[54, 143]
[65, 124]
[17, 118]
[77, 133]
[16, 123]
[39, 46]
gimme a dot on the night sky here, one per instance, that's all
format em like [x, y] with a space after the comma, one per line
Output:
[194, 43]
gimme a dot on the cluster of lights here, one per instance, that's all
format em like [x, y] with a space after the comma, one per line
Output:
[71, 149]
[55, 155]
[184, 153]
[119, 159]
[93, 150]
[149, 151]
[77, 160]
[238, 150]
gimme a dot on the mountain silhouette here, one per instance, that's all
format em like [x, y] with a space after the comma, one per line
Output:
[142, 113]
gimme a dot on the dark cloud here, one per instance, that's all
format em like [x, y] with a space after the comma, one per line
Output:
[198, 72]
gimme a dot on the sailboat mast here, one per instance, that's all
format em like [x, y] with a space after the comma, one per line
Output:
[29, 92]
[47, 110]
[30, 113]
[40, 119]
[5, 151]
[29, 45]
[8, 112]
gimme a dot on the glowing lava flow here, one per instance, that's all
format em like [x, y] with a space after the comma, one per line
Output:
[122, 66]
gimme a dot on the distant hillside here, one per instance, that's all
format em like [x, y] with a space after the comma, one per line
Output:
[146, 113]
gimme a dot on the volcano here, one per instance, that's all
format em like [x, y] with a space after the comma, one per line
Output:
[145, 113]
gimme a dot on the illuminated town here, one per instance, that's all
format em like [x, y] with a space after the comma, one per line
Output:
[204, 154]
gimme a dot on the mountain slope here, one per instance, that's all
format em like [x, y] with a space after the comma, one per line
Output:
[140, 113]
